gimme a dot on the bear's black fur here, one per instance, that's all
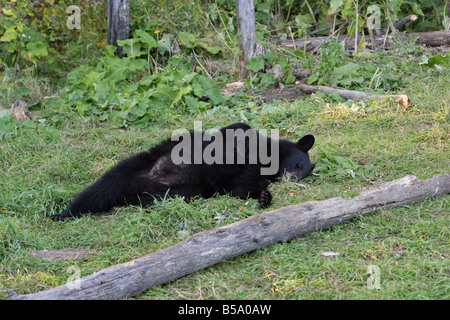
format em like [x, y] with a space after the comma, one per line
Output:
[150, 175]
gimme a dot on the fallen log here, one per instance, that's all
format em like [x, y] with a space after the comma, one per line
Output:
[210, 247]
[430, 39]
[231, 88]
[352, 94]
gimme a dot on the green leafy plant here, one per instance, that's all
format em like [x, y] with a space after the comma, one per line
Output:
[122, 92]
[347, 75]
[19, 41]
[35, 34]
[332, 56]
[338, 168]
[263, 76]
[192, 41]
[438, 61]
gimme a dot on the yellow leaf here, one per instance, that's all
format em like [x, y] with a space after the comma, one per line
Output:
[10, 34]
[8, 12]
[291, 194]
[362, 43]
[19, 27]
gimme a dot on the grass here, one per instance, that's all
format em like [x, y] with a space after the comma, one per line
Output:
[43, 168]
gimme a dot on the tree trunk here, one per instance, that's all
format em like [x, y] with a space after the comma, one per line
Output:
[245, 11]
[207, 248]
[118, 23]
[431, 39]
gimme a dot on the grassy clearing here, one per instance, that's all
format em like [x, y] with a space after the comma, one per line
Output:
[42, 168]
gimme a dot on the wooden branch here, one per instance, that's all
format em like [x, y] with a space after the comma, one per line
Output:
[352, 94]
[324, 29]
[400, 23]
[431, 39]
[210, 247]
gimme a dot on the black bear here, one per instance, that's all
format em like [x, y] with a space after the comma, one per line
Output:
[234, 160]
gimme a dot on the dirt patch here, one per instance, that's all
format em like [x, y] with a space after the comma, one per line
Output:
[288, 93]
[284, 94]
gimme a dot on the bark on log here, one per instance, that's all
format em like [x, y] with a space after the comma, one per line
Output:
[352, 94]
[431, 39]
[210, 247]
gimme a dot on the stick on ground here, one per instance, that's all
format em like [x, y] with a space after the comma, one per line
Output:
[400, 23]
[207, 248]
[352, 94]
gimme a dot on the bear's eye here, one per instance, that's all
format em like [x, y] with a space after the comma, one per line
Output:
[298, 166]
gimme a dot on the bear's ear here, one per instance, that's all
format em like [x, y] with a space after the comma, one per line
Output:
[306, 143]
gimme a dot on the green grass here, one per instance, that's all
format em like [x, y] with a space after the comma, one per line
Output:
[42, 169]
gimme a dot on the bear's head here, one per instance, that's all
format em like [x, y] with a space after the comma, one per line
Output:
[296, 163]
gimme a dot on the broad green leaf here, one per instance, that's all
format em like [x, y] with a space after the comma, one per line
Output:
[439, 60]
[289, 79]
[271, 57]
[255, 64]
[131, 47]
[417, 10]
[312, 78]
[191, 102]
[137, 64]
[143, 122]
[164, 44]
[4, 113]
[7, 123]
[303, 20]
[147, 39]
[110, 50]
[266, 80]
[187, 39]
[82, 108]
[10, 34]
[181, 92]
[348, 74]
[188, 77]
[209, 48]
[37, 49]
[205, 82]
[20, 26]
[335, 5]
[197, 90]
[215, 96]
[122, 68]
[362, 43]
[263, 6]
[139, 109]
[345, 11]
